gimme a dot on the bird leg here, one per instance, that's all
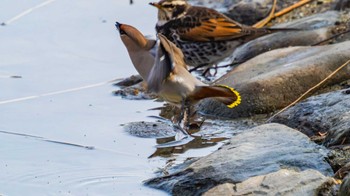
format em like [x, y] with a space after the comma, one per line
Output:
[185, 114]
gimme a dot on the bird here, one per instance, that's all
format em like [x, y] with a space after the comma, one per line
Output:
[171, 80]
[205, 36]
[166, 72]
[139, 48]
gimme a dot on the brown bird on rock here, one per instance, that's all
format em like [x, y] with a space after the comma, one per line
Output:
[170, 79]
[204, 35]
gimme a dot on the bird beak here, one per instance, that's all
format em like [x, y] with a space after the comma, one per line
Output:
[117, 24]
[119, 27]
[157, 5]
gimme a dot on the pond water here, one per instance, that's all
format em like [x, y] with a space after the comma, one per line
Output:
[60, 125]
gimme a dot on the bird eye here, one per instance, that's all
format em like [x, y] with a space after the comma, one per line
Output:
[168, 6]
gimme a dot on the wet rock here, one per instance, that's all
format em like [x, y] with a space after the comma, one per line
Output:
[132, 80]
[137, 91]
[342, 4]
[338, 157]
[249, 12]
[258, 151]
[344, 189]
[275, 79]
[282, 182]
[344, 171]
[326, 113]
[150, 129]
[311, 34]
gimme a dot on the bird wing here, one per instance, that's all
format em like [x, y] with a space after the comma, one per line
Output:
[203, 24]
[160, 71]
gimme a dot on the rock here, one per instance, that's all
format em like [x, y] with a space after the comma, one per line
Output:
[132, 80]
[311, 34]
[249, 12]
[150, 129]
[325, 113]
[314, 21]
[136, 91]
[338, 157]
[258, 151]
[344, 189]
[342, 4]
[344, 171]
[282, 182]
[275, 79]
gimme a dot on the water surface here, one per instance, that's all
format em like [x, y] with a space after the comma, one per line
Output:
[60, 125]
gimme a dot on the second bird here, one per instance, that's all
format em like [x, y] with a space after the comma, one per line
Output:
[204, 35]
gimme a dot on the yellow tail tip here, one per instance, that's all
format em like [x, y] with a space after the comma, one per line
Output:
[237, 101]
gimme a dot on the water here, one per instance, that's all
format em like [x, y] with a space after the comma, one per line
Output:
[63, 54]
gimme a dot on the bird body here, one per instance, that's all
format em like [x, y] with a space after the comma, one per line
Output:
[204, 35]
[170, 79]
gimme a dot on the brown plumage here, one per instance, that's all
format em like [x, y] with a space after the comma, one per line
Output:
[170, 79]
[204, 35]
[138, 48]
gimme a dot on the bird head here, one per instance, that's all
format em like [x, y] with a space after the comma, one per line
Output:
[133, 37]
[170, 9]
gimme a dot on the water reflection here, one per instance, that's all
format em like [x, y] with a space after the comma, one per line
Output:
[197, 143]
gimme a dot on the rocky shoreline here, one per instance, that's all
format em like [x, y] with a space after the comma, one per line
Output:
[306, 149]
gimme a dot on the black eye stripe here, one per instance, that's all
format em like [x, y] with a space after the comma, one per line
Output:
[168, 6]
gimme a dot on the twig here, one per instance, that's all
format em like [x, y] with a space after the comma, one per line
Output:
[266, 20]
[290, 8]
[308, 91]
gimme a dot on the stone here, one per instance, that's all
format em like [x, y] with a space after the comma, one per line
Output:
[326, 113]
[314, 29]
[283, 182]
[275, 79]
[132, 80]
[257, 151]
[344, 189]
[150, 129]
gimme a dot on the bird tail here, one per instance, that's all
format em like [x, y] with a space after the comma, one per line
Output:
[225, 94]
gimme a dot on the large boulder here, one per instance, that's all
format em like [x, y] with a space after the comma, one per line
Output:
[258, 151]
[275, 79]
[327, 113]
[282, 182]
[313, 29]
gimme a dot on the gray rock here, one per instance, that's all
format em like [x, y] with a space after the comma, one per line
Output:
[325, 113]
[311, 34]
[283, 182]
[150, 129]
[258, 151]
[275, 79]
[315, 21]
[132, 80]
[344, 189]
[249, 12]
